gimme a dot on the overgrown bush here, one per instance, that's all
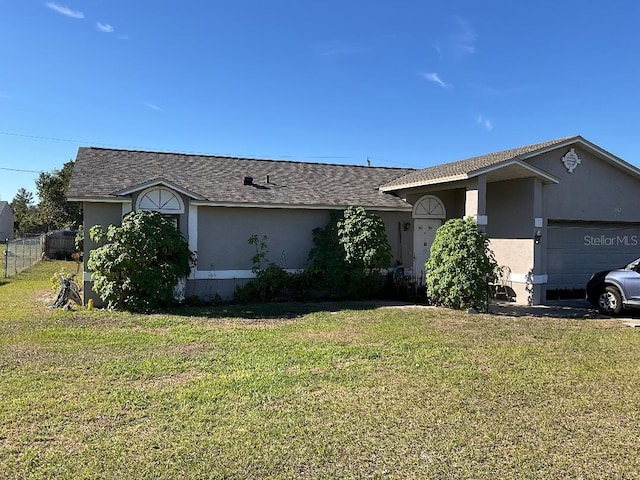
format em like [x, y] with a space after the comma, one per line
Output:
[140, 262]
[345, 262]
[459, 266]
[348, 253]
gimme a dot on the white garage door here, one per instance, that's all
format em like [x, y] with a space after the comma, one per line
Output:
[575, 250]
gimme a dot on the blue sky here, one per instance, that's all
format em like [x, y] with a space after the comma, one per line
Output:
[405, 83]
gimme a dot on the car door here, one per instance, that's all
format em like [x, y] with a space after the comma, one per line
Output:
[631, 283]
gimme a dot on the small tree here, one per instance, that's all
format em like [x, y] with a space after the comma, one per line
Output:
[140, 263]
[364, 239]
[459, 265]
[327, 257]
[348, 250]
[55, 211]
[26, 216]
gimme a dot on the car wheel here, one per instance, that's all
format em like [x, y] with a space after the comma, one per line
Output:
[610, 301]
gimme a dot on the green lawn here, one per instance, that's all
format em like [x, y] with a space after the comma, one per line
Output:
[311, 391]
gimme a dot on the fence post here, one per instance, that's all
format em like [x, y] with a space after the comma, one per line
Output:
[6, 257]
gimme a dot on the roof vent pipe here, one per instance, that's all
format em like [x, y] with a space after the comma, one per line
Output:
[267, 178]
[247, 181]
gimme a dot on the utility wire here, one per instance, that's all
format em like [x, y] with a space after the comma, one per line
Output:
[132, 147]
[20, 170]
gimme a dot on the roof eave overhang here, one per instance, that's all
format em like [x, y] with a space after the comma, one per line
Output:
[525, 169]
[299, 206]
[423, 183]
[517, 165]
[99, 199]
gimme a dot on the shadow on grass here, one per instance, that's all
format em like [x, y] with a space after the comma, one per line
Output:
[271, 311]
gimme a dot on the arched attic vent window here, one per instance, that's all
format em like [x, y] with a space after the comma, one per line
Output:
[161, 200]
[429, 206]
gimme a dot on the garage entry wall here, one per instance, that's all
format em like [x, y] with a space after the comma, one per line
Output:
[576, 250]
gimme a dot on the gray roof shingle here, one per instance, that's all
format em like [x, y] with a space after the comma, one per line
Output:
[460, 168]
[102, 173]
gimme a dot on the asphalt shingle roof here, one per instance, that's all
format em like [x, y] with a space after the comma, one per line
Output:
[461, 168]
[101, 173]
[3, 203]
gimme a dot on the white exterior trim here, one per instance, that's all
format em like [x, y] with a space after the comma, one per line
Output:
[481, 219]
[522, 278]
[285, 206]
[99, 199]
[230, 274]
[424, 183]
[193, 237]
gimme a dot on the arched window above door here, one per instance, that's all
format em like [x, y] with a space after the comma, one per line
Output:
[429, 206]
[161, 200]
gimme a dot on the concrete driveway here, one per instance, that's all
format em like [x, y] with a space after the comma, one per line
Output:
[561, 309]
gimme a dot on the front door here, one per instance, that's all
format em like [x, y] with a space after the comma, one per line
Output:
[424, 233]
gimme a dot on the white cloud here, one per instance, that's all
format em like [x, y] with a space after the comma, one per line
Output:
[64, 10]
[329, 49]
[484, 122]
[104, 27]
[153, 106]
[464, 38]
[435, 78]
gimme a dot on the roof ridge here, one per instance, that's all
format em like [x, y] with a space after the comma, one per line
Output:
[538, 145]
[252, 159]
[456, 168]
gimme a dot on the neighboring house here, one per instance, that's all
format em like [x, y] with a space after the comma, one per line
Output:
[6, 221]
[555, 212]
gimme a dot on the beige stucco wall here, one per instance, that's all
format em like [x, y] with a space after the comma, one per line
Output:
[517, 254]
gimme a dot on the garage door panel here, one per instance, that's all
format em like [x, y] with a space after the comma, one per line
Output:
[577, 250]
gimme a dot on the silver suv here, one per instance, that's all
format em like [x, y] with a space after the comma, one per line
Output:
[612, 290]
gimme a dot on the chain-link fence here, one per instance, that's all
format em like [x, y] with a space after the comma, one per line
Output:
[18, 255]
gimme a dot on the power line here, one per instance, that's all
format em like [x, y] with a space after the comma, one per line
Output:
[55, 139]
[133, 147]
[20, 170]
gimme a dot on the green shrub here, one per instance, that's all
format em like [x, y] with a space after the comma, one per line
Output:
[270, 284]
[348, 253]
[140, 263]
[459, 265]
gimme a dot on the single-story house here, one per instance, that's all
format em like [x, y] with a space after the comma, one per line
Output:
[6, 221]
[555, 212]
